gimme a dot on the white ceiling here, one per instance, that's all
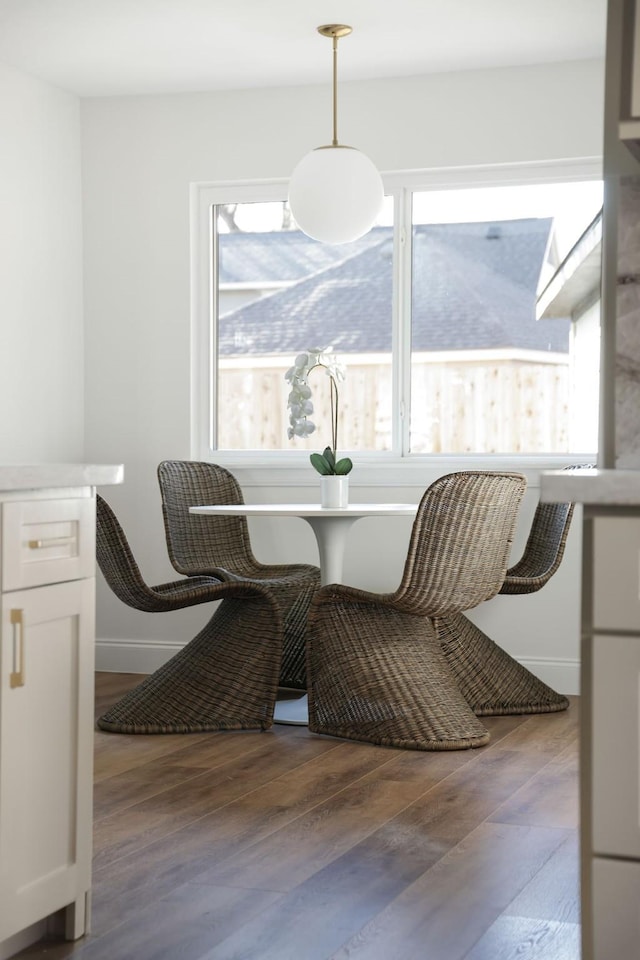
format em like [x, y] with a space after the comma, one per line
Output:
[114, 47]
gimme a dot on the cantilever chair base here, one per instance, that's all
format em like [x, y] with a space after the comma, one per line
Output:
[224, 679]
[379, 676]
[492, 682]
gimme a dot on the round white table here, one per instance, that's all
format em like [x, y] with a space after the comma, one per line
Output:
[330, 527]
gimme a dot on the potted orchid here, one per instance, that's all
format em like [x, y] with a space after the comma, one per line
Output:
[300, 405]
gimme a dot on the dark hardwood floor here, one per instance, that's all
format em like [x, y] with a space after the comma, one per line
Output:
[286, 845]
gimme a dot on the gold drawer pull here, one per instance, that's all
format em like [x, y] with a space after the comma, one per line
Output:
[16, 678]
[51, 542]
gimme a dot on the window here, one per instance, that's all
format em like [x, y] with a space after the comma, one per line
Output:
[438, 313]
[280, 292]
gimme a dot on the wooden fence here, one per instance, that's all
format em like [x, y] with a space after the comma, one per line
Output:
[461, 403]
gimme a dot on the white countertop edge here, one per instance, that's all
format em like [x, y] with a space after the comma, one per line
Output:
[40, 476]
[606, 487]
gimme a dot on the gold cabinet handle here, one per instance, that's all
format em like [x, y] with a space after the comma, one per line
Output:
[16, 678]
[51, 542]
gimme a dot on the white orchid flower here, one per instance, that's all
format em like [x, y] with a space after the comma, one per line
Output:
[304, 428]
[300, 404]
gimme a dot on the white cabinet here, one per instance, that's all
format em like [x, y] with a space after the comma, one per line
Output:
[609, 706]
[47, 641]
[610, 757]
[46, 749]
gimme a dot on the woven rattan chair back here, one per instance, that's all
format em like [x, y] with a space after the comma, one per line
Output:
[120, 570]
[460, 542]
[199, 544]
[544, 549]
[545, 546]
[117, 563]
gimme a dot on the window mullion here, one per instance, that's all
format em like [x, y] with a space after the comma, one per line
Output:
[213, 327]
[401, 352]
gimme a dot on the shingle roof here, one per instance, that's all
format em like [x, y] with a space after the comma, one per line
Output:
[474, 286]
[278, 256]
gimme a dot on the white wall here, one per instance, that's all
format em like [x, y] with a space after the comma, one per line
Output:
[41, 352]
[140, 155]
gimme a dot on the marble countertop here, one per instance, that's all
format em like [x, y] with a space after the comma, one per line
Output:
[40, 476]
[606, 487]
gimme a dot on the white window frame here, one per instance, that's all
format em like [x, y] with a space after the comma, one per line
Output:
[398, 466]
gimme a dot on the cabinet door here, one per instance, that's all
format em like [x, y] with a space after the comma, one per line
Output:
[46, 751]
[613, 926]
[616, 746]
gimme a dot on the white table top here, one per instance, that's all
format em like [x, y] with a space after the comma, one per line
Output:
[353, 510]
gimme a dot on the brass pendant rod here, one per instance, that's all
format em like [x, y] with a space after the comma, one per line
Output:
[335, 31]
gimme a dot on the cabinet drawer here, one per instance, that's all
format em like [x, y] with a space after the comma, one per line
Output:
[616, 573]
[47, 541]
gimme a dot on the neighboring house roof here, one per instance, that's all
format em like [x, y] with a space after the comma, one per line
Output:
[575, 286]
[284, 256]
[474, 286]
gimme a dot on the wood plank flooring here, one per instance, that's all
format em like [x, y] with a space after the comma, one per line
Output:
[286, 845]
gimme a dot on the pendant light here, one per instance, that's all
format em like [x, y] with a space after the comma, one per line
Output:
[335, 192]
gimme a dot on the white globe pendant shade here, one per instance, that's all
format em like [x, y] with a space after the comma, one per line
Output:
[335, 194]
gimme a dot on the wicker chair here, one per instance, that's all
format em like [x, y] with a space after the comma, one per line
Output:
[225, 678]
[544, 549]
[493, 682]
[221, 547]
[375, 667]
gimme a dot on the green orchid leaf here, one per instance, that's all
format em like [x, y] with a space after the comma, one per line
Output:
[343, 466]
[319, 462]
[327, 453]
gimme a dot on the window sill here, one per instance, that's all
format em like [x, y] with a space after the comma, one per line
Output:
[273, 470]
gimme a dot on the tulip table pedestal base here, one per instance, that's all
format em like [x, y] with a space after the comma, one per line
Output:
[292, 710]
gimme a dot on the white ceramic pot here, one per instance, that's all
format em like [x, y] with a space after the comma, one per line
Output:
[334, 491]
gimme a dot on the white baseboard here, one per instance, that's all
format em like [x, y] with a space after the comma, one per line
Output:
[133, 656]
[145, 656]
[562, 675]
